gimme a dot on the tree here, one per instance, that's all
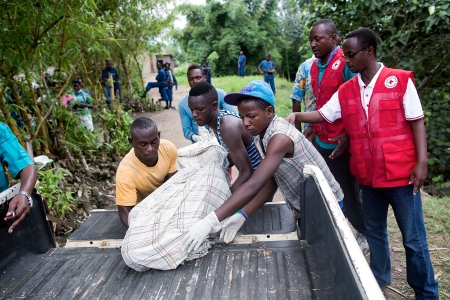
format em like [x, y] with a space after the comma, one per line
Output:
[228, 27]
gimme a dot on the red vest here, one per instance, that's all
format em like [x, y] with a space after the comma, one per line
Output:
[332, 79]
[382, 148]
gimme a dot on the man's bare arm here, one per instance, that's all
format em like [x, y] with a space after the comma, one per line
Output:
[19, 207]
[124, 211]
[278, 147]
[420, 171]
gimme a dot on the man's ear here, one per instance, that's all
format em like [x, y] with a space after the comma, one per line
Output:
[159, 134]
[130, 140]
[214, 105]
[270, 111]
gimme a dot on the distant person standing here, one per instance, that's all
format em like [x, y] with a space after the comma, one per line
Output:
[241, 64]
[267, 67]
[208, 72]
[171, 81]
[115, 76]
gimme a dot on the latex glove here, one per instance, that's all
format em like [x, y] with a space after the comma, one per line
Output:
[231, 227]
[196, 138]
[199, 232]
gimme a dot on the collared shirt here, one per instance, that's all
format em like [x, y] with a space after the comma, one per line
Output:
[347, 75]
[289, 174]
[161, 75]
[12, 155]
[115, 76]
[267, 66]
[241, 59]
[302, 89]
[411, 102]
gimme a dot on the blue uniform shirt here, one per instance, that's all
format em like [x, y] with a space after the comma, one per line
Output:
[12, 155]
[241, 59]
[161, 75]
[188, 123]
[267, 65]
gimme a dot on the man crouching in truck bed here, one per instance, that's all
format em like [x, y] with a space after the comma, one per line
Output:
[19, 163]
[150, 163]
[284, 152]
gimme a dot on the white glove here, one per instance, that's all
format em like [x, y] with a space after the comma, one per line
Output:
[196, 138]
[198, 233]
[231, 227]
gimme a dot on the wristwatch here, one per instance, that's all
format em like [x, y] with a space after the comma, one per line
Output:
[30, 200]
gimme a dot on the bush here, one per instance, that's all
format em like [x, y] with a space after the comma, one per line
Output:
[438, 131]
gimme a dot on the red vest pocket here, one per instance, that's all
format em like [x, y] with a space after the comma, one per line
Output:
[388, 113]
[400, 159]
[351, 118]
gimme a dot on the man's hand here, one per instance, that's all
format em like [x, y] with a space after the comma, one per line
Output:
[18, 209]
[343, 145]
[309, 133]
[196, 138]
[418, 176]
[231, 227]
[291, 118]
[199, 232]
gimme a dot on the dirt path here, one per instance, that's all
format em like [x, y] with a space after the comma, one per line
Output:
[168, 121]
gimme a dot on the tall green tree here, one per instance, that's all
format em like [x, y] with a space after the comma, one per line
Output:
[227, 27]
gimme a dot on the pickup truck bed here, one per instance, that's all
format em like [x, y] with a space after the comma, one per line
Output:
[268, 261]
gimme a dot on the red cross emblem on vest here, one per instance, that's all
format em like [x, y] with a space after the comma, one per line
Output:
[390, 82]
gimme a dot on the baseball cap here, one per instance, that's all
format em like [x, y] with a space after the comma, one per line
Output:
[256, 89]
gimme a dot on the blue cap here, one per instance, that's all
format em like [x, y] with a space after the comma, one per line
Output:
[257, 89]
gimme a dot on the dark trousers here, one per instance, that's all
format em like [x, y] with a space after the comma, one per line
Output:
[340, 168]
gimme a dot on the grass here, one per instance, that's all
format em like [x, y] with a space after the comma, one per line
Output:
[233, 84]
[436, 212]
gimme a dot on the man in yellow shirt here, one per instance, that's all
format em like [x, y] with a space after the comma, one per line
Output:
[146, 167]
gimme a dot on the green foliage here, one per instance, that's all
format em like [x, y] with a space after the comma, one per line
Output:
[58, 200]
[283, 102]
[118, 131]
[228, 27]
[438, 124]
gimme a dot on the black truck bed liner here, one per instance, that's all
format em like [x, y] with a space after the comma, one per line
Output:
[269, 262]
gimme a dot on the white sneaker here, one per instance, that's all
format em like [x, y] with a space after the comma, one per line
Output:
[362, 242]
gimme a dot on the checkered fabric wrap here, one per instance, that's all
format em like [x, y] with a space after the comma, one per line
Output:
[158, 223]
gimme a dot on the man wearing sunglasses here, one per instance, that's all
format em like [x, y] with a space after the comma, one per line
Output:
[328, 73]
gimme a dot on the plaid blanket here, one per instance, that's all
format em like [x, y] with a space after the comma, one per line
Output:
[158, 223]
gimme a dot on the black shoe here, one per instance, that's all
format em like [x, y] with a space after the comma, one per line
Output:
[142, 95]
[166, 107]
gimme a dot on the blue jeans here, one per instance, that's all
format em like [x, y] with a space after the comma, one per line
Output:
[241, 70]
[169, 92]
[108, 93]
[408, 214]
[162, 88]
[208, 79]
[270, 81]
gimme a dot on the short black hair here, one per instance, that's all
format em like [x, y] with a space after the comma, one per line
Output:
[195, 66]
[329, 25]
[78, 80]
[142, 123]
[204, 89]
[259, 102]
[366, 38]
